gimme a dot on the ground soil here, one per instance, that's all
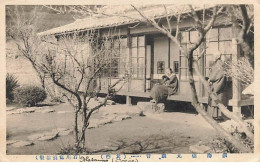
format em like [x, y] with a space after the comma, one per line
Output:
[167, 132]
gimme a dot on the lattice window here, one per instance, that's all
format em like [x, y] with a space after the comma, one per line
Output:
[138, 54]
[217, 39]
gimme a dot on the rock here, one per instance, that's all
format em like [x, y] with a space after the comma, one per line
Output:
[131, 149]
[93, 123]
[47, 110]
[62, 131]
[22, 110]
[9, 142]
[28, 111]
[141, 113]
[22, 144]
[106, 121]
[127, 117]
[91, 126]
[35, 136]
[160, 107]
[65, 132]
[49, 136]
[199, 149]
[62, 112]
[110, 102]
[12, 113]
[148, 107]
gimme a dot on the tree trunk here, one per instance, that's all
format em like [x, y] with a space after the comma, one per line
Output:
[76, 132]
[222, 108]
[236, 142]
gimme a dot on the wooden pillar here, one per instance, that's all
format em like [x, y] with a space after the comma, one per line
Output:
[169, 52]
[145, 62]
[236, 84]
[129, 45]
[128, 100]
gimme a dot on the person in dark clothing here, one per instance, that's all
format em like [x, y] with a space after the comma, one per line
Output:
[169, 86]
[218, 83]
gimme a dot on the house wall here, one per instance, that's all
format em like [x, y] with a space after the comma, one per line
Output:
[160, 54]
[174, 53]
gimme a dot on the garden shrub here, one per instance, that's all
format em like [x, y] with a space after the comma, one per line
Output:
[29, 95]
[11, 84]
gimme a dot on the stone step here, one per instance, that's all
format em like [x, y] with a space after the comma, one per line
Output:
[148, 107]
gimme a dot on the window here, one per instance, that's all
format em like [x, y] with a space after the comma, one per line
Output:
[116, 60]
[160, 67]
[138, 54]
[186, 39]
[217, 39]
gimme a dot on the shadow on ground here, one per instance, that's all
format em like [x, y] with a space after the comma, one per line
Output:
[142, 145]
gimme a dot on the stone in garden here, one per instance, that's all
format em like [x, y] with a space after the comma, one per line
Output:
[35, 136]
[126, 117]
[47, 110]
[63, 112]
[106, 121]
[93, 123]
[141, 113]
[199, 149]
[130, 149]
[12, 113]
[62, 131]
[22, 144]
[28, 110]
[49, 136]
[117, 118]
[9, 142]
[110, 102]
[91, 126]
[148, 107]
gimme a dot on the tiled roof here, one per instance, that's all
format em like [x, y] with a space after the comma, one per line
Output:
[121, 15]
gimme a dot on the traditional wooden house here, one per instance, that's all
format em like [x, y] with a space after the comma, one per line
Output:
[147, 53]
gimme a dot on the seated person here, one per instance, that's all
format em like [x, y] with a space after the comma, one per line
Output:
[169, 86]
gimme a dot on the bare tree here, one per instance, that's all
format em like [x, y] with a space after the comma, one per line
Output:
[74, 66]
[22, 29]
[202, 28]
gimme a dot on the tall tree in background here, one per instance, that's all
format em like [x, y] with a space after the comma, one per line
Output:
[22, 29]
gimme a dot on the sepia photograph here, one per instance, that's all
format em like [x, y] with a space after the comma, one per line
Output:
[129, 79]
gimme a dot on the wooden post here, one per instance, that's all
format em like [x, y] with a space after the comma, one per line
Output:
[129, 45]
[236, 85]
[169, 52]
[128, 100]
[145, 62]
